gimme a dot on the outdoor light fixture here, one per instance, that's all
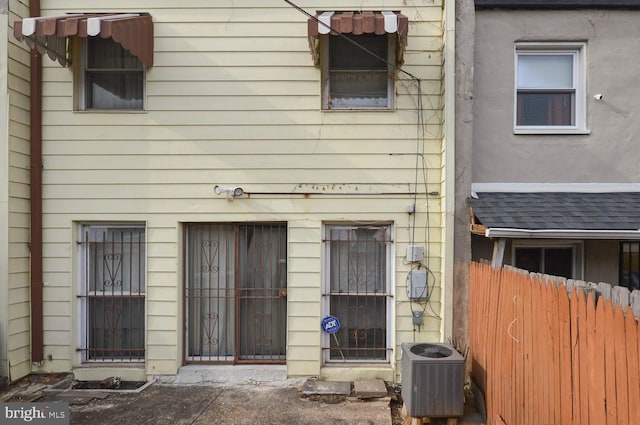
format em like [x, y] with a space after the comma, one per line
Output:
[232, 192]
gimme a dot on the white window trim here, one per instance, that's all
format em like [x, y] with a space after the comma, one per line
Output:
[391, 70]
[82, 295]
[81, 104]
[326, 292]
[578, 50]
[577, 246]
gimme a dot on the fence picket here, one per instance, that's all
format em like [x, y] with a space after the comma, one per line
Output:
[564, 364]
[633, 367]
[583, 354]
[598, 367]
[576, 299]
[620, 296]
[536, 347]
[620, 353]
[634, 302]
[518, 366]
[609, 366]
[530, 335]
[548, 359]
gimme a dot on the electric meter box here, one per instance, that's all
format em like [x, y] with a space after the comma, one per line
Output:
[417, 284]
[415, 253]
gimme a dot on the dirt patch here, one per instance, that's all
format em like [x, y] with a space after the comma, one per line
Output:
[396, 412]
[326, 398]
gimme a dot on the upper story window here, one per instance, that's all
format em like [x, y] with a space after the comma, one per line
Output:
[108, 74]
[111, 77]
[550, 88]
[357, 72]
[359, 52]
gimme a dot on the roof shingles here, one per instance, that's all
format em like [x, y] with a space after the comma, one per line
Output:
[558, 210]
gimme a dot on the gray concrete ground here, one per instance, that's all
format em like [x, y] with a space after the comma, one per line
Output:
[216, 395]
[208, 395]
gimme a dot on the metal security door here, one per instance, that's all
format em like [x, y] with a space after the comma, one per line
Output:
[235, 293]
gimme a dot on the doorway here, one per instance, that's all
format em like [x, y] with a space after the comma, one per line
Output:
[236, 293]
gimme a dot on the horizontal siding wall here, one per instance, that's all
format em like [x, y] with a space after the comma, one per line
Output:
[234, 99]
[17, 279]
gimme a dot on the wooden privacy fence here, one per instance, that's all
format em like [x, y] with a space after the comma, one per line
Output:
[544, 354]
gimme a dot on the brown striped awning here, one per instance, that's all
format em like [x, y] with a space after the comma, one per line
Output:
[50, 34]
[358, 23]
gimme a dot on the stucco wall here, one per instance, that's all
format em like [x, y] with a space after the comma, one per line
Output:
[234, 99]
[612, 70]
[601, 257]
[602, 261]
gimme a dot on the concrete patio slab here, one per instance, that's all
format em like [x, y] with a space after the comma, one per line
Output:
[313, 387]
[369, 388]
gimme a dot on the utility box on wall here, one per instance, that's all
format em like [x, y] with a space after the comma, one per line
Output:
[432, 380]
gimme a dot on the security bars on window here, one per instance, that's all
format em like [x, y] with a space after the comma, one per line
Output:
[113, 293]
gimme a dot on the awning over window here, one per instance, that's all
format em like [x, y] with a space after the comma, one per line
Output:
[358, 23]
[49, 34]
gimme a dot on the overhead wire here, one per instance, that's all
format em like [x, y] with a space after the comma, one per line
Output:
[420, 164]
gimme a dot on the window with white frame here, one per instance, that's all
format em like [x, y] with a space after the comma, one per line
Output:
[111, 77]
[630, 264]
[358, 292]
[357, 71]
[550, 88]
[557, 259]
[112, 292]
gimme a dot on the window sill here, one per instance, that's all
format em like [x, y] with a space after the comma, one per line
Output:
[98, 372]
[560, 131]
[352, 372]
[112, 363]
[111, 111]
[359, 110]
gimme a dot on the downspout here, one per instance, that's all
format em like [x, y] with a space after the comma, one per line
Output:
[35, 132]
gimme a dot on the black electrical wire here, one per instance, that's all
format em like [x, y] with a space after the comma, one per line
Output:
[419, 142]
[355, 43]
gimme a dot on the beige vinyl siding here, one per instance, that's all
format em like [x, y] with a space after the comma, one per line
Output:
[14, 200]
[234, 99]
[4, 198]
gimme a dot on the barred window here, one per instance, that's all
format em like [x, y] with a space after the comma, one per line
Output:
[112, 292]
[358, 292]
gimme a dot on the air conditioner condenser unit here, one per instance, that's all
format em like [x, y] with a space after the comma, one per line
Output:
[432, 380]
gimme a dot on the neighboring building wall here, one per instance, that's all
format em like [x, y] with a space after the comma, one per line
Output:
[14, 198]
[234, 99]
[464, 46]
[611, 37]
[601, 257]
[602, 261]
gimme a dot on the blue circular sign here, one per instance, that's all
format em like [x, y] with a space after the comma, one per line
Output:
[330, 324]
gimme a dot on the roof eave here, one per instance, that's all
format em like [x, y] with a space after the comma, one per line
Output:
[557, 5]
[514, 233]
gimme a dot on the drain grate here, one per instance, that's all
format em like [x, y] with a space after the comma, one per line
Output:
[98, 385]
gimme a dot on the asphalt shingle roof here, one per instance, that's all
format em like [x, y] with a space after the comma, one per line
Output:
[558, 210]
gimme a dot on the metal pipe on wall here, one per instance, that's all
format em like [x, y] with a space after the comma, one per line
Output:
[35, 132]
